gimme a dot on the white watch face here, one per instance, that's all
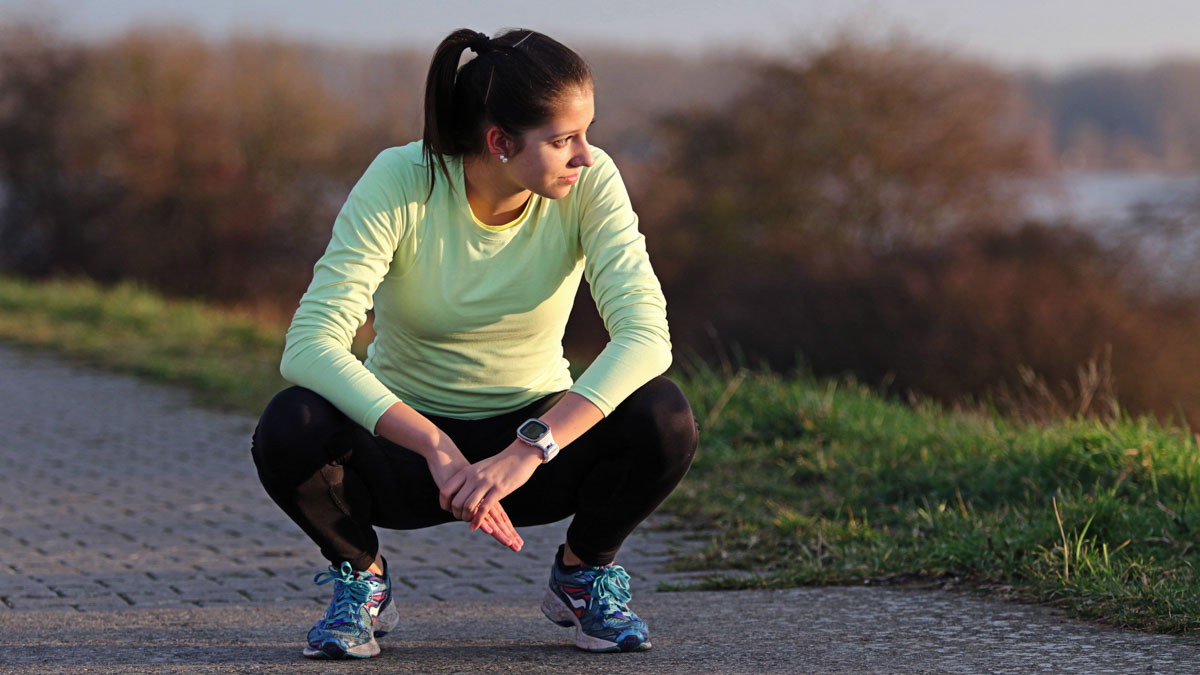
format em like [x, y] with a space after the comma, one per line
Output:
[533, 430]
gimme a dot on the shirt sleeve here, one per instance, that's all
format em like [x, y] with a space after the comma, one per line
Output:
[625, 289]
[317, 353]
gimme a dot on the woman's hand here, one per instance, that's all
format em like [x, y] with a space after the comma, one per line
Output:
[497, 524]
[475, 491]
[446, 462]
[406, 427]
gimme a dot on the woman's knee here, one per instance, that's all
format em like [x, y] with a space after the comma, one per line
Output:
[660, 410]
[293, 430]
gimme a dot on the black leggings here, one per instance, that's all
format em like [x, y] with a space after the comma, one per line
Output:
[337, 480]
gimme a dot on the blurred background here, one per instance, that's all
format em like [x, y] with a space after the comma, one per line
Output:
[987, 205]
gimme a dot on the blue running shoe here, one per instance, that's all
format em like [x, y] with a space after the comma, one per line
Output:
[593, 600]
[361, 610]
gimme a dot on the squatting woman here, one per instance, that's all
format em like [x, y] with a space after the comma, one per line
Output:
[470, 245]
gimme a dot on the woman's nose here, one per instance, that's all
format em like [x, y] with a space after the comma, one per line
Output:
[583, 157]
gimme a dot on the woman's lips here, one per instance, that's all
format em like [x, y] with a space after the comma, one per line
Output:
[570, 180]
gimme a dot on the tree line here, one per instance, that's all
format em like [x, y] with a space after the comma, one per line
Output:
[846, 210]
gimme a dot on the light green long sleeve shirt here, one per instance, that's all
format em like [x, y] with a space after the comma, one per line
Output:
[469, 319]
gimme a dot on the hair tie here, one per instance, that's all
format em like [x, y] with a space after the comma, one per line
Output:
[480, 44]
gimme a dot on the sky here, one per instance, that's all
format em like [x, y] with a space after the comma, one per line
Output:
[1050, 35]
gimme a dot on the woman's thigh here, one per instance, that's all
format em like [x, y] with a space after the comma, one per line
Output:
[630, 461]
[301, 435]
[405, 496]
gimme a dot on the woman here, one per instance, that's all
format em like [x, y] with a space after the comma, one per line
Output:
[470, 246]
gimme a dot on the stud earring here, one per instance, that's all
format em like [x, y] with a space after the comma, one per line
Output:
[503, 159]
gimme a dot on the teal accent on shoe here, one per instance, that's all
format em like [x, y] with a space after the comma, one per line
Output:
[361, 610]
[594, 600]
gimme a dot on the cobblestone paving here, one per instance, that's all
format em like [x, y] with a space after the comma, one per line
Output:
[118, 494]
[134, 537]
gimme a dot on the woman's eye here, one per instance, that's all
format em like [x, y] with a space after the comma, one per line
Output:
[562, 142]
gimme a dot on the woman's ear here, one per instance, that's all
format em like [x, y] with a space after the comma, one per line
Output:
[499, 143]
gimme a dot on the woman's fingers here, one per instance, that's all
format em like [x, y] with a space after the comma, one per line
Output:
[468, 507]
[498, 533]
[501, 529]
[484, 508]
[474, 498]
[465, 494]
[500, 519]
[502, 516]
[489, 529]
[449, 491]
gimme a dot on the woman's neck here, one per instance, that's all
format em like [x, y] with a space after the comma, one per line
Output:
[493, 197]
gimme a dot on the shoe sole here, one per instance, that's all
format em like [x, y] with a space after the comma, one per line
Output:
[331, 650]
[557, 611]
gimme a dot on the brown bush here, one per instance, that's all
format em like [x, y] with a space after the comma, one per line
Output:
[854, 146]
[984, 313]
[846, 214]
[34, 105]
[843, 209]
[201, 170]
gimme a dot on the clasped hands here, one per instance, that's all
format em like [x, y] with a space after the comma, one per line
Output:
[472, 492]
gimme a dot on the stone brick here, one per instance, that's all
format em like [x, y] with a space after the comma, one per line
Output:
[157, 501]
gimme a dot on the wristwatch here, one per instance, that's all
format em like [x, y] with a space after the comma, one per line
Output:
[537, 433]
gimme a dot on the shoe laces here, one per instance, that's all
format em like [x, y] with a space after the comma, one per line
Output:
[611, 590]
[351, 590]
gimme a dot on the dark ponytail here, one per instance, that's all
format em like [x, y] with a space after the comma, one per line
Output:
[514, 82]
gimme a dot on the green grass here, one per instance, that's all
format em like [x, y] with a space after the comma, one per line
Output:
[820, 482]
[797, 481]
[228, 360]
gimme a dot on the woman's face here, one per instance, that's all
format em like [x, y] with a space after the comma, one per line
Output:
[552, 154]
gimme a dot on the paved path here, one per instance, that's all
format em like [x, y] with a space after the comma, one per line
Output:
[134, 537]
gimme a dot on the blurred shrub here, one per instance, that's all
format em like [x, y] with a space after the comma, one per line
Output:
[203, 170]
[845, 214]
[35, 76]
[845, 211]
[854, 146]
[1014, 313]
